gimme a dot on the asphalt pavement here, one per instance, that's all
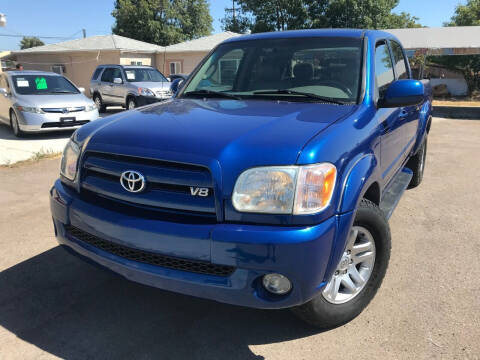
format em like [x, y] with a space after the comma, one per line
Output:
[54, 305]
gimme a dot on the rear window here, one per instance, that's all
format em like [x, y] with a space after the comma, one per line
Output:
[96, 73]
[43, 85]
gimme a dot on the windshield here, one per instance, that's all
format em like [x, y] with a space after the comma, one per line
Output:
[304, 69]
[144, 75]
[43, 84]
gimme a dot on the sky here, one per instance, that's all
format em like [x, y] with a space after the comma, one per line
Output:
[65, 19]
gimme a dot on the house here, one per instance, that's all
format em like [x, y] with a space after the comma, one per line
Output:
[183, 57]
[77, 59]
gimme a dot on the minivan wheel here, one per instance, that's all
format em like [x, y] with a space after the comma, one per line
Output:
[131, 104]
[14, 125]
[98, 101]
[357, 276]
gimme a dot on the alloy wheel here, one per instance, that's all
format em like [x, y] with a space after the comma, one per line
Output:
[354, 269]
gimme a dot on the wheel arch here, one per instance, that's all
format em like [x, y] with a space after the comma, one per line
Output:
[360, 182]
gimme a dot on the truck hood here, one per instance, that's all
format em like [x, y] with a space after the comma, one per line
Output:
[54, 101]
[236, 134]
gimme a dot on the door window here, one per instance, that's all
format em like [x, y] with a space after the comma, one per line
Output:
[116, 74]
[383, 69]
[400, 62]
[107, 75]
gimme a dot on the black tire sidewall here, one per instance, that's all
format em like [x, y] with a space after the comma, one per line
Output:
[101, 108]
[13, 118]
[321, 313]
[415, 164]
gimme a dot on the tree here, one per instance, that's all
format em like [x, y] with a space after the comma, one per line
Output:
[278, 15]
[235, 20]
[162, 22]
[30, 41]
[466, 15]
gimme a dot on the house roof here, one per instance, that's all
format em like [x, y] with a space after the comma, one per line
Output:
[202, 44]
[95, 43]
[454, 37]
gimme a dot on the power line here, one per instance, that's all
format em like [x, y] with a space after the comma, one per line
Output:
[43, 37]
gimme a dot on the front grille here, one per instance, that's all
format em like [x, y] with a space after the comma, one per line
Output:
[61, 124]
[170, 186]
[64, 110]
[193, 266]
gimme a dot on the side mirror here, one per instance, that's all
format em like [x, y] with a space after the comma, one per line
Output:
[3, 92]
[117, 81]
[82, 90]
[177, 84]
[403, 93]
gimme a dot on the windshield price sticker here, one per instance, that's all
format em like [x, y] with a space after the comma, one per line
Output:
[41, 83]
[130, 75]
[22, 83]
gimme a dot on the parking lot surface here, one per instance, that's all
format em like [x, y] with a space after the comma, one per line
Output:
[13, 149]
[54, 305]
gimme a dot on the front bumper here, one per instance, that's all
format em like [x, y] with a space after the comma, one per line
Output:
[303, 254]
[31, 122]
[146, 100]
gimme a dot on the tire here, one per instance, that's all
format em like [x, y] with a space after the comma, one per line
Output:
[326, 312]
[100, 105]
[417, 165]
[14, 125]
[131, 103]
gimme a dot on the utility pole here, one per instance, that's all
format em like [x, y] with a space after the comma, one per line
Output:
[233, 9]
[84, 33]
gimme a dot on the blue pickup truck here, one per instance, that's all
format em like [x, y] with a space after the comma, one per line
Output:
[267, 181]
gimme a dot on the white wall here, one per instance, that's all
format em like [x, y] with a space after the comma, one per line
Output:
[456, 87]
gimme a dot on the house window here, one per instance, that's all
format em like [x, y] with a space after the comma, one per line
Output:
[59, 69]
[136, 63]
[175, 67]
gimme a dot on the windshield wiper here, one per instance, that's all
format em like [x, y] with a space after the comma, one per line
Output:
[211, 93]
[301, 93]
[61, 92]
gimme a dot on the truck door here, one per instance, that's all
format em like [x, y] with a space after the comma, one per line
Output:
[409, 115]
[392, 139]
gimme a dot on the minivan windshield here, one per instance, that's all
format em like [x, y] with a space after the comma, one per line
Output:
[325, 69]
[144, 75]
[42, 85]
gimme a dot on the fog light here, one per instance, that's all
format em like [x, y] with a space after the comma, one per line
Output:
[277, 284]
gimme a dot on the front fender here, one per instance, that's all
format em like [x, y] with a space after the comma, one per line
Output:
[356, 182]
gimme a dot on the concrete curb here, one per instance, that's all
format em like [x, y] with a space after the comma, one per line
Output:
[457, 112]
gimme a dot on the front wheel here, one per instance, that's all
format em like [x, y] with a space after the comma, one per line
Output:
[99, 103]
[131, 103]
[357, 276]
[14, 125]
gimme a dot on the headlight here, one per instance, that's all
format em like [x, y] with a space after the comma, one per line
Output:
[91, 107]
[68, 166]
[295, 190]
[30, 109]
[145, 92]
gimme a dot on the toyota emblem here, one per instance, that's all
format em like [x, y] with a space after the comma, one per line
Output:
[132, 181]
